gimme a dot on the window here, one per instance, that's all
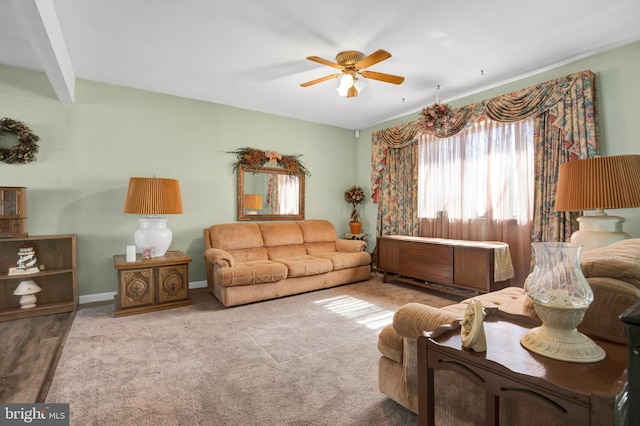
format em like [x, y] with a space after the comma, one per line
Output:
[485, 173]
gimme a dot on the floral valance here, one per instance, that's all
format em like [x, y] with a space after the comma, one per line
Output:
[514, 106]
[575, 92]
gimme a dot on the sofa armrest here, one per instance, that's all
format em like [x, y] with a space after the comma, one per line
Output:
[611, 298]
[219, 257]
[414, 318]
[350, 246]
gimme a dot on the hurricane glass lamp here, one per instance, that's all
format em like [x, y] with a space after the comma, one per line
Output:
[153, 197]
[561, 295]
[597, 184]
[27, 290]
[253, 203]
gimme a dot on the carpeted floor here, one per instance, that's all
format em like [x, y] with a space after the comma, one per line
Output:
[309, 359]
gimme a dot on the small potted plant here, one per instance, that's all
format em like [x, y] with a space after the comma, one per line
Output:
[355, 196]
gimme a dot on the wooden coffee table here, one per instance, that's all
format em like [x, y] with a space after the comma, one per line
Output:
[577, 393]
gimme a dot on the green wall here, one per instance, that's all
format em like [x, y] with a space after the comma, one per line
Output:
[89, 149]
[618, 109]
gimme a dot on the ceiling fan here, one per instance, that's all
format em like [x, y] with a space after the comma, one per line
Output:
[352, 63]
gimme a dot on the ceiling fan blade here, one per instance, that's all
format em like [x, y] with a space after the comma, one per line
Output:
[374, 58]
[320, 80]
[387, 78]
[324, 62]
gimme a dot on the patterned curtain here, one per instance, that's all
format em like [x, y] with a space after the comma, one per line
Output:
[395, 177]
[566, 129]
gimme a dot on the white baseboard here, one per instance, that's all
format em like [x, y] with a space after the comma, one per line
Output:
[101, 297]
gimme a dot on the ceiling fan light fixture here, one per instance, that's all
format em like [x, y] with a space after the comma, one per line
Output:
[352, 63]
[342, 90]
[346, 82]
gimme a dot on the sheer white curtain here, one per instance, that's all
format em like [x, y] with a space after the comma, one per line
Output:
[288, 188]
[478, 185]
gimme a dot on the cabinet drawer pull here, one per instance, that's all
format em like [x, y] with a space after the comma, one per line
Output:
[536, 395]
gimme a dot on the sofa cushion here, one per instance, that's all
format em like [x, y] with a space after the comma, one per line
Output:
[234, 236]
[305, 265]
[316, 230]
[509, 299]
[346, 260]
[253, 272]
[280, 252]
[249, 254]
[320, 247]
[280, 233]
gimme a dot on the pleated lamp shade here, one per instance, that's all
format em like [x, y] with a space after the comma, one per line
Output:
[599, 183]
[152, 197]
[253, 202]
[596, 184]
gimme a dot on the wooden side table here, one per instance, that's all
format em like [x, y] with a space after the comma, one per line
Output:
[360, 237]
[151, 285]
[577, 393]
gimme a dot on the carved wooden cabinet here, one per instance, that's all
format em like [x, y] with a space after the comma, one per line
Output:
[57, 276]
[13, 211]
[151, 285]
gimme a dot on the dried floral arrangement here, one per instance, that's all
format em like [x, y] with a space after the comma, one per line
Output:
[436, 118]
[256, 158]
[354, 196]
[22, 152]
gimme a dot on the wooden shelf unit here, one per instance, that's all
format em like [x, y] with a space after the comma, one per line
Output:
[58, 280]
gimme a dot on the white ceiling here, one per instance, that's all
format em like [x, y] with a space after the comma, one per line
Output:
[251, 53]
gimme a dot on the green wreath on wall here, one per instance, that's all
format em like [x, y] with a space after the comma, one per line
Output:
[22, 152]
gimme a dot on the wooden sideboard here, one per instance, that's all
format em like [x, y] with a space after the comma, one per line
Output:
[470, 265]
[151, 285]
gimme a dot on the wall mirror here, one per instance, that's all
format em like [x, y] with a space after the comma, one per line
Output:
[266, 193]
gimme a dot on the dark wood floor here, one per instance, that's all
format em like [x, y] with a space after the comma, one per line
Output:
[30, 351]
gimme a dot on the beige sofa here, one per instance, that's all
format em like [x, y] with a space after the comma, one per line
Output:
[613, 272]
[251, 262]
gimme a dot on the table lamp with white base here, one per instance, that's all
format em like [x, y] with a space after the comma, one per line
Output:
[596, 184]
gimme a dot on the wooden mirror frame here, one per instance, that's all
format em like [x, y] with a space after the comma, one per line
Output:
[242, 169]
